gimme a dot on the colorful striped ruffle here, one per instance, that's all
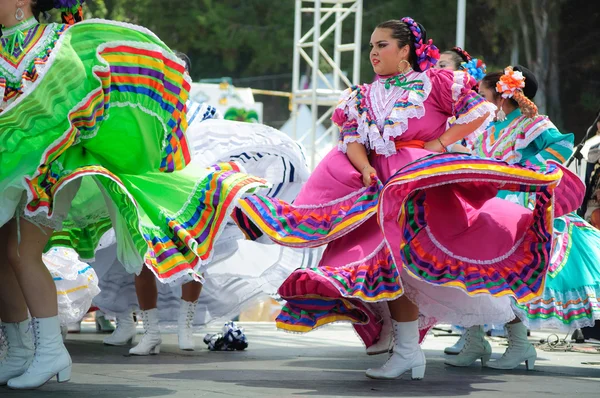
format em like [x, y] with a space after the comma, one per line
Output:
[141, 74]
[510, 141]
[306, 226]
[110, 108]
[520, 271]
[568, 310]
[570, 299]
[347, 293]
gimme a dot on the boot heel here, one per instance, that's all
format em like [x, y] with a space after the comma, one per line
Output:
[485, 359]
[155, 350]
[530, 363]
[64, 375]
[418, 372]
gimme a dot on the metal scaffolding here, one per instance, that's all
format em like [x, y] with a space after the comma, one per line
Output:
[310, 50]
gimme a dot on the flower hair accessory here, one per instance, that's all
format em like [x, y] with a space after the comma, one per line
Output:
[427, 53]
[475, 67]
[71, 10]
[510, 82]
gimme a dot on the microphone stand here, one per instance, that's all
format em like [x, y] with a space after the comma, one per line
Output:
[577, 154]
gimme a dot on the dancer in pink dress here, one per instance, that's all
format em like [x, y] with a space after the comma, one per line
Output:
[414, 237]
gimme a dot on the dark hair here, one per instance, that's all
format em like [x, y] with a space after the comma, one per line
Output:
[522, 98]
[71, 12]
[458, 56]
[185, 59]
[403, 35]
[40, 6]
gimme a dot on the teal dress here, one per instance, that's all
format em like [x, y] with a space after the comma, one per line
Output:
[570, 298]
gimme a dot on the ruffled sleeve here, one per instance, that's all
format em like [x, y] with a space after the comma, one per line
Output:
[458, 99]
[347, 118]
[540, 141]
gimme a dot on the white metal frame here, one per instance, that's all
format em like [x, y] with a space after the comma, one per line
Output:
[308, 49]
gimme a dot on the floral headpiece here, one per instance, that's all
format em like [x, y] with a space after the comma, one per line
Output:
[427, 53]
[71, 10]
[510, 82]
[475, 67]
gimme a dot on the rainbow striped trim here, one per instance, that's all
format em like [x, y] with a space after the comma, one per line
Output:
[573, 309]
[187, 239]
[322, 311]
[374, 279]
[307, 226]
[505, 144]
[22, 67]
[149, 75]
[519, 273]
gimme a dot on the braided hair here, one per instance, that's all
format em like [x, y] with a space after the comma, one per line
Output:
[423, 54]
[521, 97]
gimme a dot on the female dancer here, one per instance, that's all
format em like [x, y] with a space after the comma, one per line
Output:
[520, 136]
[88, 141]
[427, 252]
[457, 59]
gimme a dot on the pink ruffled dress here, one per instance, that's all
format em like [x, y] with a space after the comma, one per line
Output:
[429, 227]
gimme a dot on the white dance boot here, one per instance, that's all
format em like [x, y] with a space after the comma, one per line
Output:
[185, 332]
[476, 347]
[519, 349]
[151, 340]
[457, 347]
[406, 354]
[384, 343]
[18, 341]
[124, 333]
[103, 325]
[51, 357]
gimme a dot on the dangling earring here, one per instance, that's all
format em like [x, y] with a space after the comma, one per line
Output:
[501, 115]
[20, 14]
[403, 70]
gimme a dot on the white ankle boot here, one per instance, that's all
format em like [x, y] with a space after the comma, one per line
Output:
[185, 332]
[406, 355]
[124, 333]
[150, 342]
[103, 325]
[51, 357]
[519, 349]
[457, 347]
[19, 350]
[384, 344]
[476, 347]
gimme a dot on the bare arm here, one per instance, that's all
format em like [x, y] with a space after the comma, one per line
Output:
[357, 153]
[455, 133]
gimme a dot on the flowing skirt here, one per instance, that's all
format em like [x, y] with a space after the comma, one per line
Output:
[434, 231]
[240, 271]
